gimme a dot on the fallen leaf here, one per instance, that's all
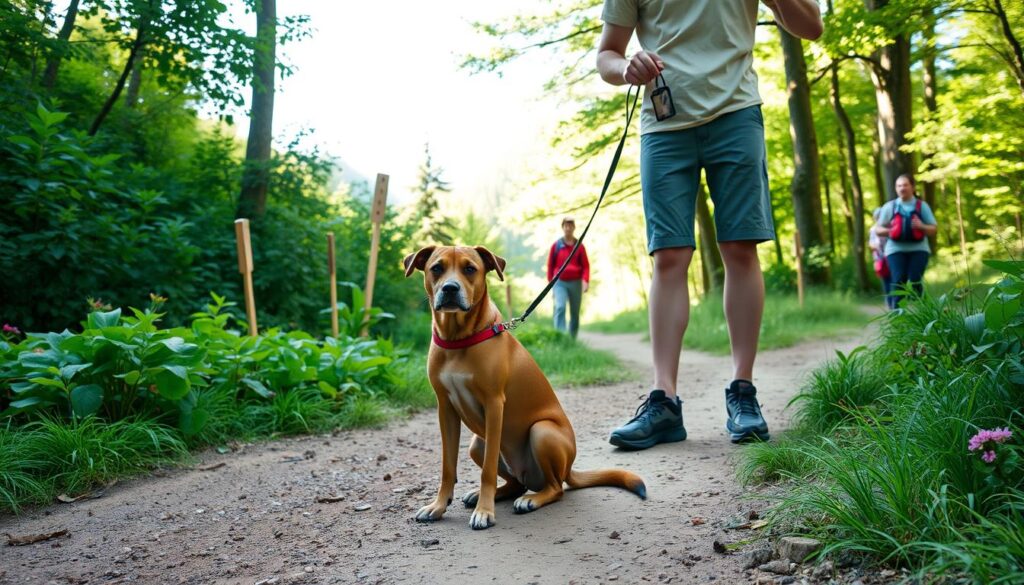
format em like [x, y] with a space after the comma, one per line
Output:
[33, 538]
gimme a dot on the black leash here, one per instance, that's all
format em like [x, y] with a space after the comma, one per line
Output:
[630, 110]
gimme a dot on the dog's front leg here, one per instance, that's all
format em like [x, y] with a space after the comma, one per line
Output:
[483, 515]
[451, 428]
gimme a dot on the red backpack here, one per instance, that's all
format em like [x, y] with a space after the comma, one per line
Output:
[900, 229]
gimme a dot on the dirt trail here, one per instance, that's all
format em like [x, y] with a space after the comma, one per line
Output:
[256, 519]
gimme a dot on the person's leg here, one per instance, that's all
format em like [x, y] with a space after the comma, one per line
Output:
[916, 264]
[669, 177]
[668, 314]
[737, 173]
[561, 297]
[898, 275]
[744, 304]
[575, 290]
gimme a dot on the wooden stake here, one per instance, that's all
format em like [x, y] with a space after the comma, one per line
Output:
[799, 269]
[245, 267]
[380, 196]
[333, 282]
[508, 296]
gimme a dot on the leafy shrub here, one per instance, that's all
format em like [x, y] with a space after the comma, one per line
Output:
[121, 366]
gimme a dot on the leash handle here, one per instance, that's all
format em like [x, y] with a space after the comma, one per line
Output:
[630, 110]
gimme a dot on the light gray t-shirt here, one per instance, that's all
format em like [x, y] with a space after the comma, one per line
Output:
[708, 50]
[885, 220]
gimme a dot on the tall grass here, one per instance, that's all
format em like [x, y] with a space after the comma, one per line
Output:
[51, 456]
[878, 462]
[785, 322]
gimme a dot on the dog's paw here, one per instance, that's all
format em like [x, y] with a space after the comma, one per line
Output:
[481, 519]
[523, 505]
[431, 512]
[471, 498]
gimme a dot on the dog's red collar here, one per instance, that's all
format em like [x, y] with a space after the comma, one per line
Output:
[481, 336]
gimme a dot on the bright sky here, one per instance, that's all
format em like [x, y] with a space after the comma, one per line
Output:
[378, 80]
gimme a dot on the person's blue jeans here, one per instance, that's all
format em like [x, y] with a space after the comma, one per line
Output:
[904, 268]
[571, 292]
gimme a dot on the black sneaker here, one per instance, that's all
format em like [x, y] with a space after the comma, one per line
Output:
[745, 421]
[658, 420]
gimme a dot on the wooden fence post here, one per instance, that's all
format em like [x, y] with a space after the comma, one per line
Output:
[333, 283]
[245, 267]
[799, 268]
[380, 197]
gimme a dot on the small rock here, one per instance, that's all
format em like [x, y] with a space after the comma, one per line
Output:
[309, 454]
[308, 569]
[387, 477]
[697, 521]
[382, 457]
[779, 567]
[563, 540]
[614, 535]
[757, 557]
[430, 542]
[785, 580]
[823, 570]
[719, 548]
[362, 507]
[797, 548]
[753, 515]
[269, 581]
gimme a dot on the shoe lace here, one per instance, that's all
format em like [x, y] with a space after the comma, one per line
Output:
[746, 403]
[647, 409]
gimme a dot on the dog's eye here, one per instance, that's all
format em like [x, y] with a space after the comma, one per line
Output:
[469, 269]
[436, 269]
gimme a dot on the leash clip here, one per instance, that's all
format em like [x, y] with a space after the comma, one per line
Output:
[512, 323]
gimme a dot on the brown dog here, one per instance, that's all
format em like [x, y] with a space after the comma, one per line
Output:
[520, 430]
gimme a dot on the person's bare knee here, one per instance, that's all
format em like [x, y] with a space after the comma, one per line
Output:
[672, 261]
[740, 255]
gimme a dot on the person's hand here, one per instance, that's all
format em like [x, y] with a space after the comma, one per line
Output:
[586, 286]
[916, 223]
[642, 68]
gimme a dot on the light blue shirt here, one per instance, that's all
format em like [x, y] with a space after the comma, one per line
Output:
[885, 220]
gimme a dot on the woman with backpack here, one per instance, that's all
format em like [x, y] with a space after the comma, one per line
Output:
[907, 221]
[573, 282]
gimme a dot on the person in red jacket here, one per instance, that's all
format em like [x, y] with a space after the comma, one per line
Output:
[573, 282]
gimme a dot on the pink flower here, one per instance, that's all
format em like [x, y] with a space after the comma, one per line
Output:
[995, 435]
[11, 329]
[988, 456]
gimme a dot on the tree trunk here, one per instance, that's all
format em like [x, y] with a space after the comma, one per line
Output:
[891, 77]
[131, 97]
[828, 203]
[140, 37]
[1017, 62]
[53, 63]
[252, 202]
[710, 255]
[805, 187]
[931, 109]
[850, 143]
[876, 156]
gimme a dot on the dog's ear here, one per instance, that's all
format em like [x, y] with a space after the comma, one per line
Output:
[418, 260]
[492, 262]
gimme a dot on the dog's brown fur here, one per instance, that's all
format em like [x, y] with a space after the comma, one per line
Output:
[520, 430]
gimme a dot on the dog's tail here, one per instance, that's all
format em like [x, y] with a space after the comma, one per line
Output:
[611, 477]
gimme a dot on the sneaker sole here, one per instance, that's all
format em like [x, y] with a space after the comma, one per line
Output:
[671, 436]
[748, 436]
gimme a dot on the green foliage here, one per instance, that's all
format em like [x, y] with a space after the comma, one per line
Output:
[567, 362]
[879, 461]
[48, 456]
[123, 366]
